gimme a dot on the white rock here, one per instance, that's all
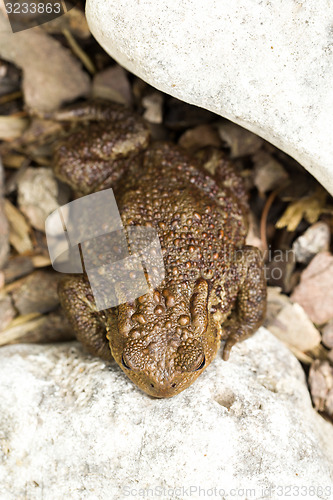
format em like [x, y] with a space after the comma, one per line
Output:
[293, 327]
[315, 239]
[264, 65]
[153, 104]
[327, 332]
[72, 427]
[39, 194]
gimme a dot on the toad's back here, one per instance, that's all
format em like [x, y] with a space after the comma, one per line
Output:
[214, 287]
[198, 219]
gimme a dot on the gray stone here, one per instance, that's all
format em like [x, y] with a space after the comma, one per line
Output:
[73, 427]
[315, 239]
[51, 76]
[264, 65]
[327, 332]
[40, 194]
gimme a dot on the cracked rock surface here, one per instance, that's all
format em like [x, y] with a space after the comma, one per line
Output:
[73, 427]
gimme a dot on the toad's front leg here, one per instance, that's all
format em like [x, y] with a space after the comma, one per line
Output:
[90, 325]
[250, 305]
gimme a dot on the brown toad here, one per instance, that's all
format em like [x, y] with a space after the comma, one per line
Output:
[214, 286]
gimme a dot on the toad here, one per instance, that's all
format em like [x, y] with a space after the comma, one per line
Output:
[213, 291]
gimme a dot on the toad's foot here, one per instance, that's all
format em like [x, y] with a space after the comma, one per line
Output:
[250, 306]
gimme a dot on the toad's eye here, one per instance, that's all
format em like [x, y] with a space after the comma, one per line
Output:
[202, 364]
[123, 362]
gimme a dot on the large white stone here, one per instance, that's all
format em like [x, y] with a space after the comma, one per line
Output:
[73, 427]
[266, 65]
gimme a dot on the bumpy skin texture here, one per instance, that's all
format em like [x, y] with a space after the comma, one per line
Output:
[214, 286]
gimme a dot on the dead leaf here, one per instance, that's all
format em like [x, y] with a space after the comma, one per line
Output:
[79, 52]
[13, 160]
[12, 127]
[32, 328]
[18, 229]
[309, 207]
[315, 292]
[318, 352]
[41, 261]
[51, 75]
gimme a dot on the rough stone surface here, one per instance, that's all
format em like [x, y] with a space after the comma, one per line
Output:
[264, 65]
[328, 335]
[315, 239]
[39, 194]
[51, 74]
[73, 427]
[321, 385]
[293, 327]
[314, 291]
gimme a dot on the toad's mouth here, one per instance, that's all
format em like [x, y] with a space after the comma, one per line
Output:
[164, 388]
